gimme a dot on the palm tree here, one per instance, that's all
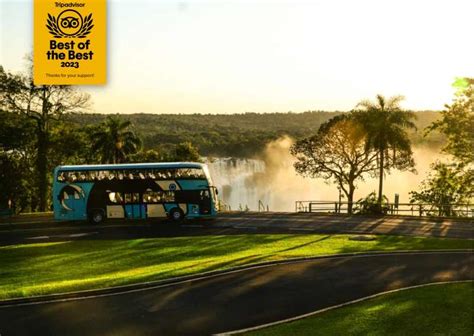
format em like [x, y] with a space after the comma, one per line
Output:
[114, 141]
[385, 124]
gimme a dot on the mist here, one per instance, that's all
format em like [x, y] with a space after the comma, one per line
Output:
[271, 179]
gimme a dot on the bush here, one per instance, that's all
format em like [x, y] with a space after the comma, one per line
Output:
[369, 205]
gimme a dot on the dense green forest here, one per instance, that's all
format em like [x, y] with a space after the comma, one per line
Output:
[238, 135]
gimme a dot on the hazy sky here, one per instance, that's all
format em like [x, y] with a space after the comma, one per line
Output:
[269, 56]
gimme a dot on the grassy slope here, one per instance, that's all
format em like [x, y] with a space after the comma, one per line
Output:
[433, 310]
[44, 268]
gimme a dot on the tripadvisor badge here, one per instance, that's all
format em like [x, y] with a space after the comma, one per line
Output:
[70, 42]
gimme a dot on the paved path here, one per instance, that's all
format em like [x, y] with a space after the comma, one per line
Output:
[239, 299]
[397, 225]
[47, 230]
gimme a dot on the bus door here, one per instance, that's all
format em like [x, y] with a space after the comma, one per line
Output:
[205, 201]
[134, 207]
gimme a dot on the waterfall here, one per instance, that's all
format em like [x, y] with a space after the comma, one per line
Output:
[236, 179]
[273, 180]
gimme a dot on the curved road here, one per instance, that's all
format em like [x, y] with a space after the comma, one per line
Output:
[238, 299]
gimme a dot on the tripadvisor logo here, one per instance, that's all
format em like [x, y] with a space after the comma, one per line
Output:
[70, 42]
[69, 24]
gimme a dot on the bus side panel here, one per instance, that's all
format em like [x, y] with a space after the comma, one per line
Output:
[193, 210]
[205, 207]
[115, 211]
[170, 206]
[69, 200]
[135, 211]
[156, 211]
[99, 197]
[193, 184]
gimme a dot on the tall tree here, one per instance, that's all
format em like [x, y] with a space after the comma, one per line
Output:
[457, 122]
[71, 144]
[185, 151]
[336, 153]
[16, 161]
[385, 125]
[115, 141]
[42, 104]
[453, 182]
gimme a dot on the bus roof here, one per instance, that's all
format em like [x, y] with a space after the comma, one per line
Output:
[162, 165]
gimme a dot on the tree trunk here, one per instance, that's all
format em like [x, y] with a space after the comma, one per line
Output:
[43, 146]
[350, 198]
[379, 200]
[42, 167]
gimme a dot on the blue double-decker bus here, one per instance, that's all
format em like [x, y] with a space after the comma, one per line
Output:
[135, 191]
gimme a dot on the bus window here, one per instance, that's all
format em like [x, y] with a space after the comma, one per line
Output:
[204, 194]
[158, 196]
[136, 198]
[168, 196]
[115, 198]
[135, 175]
[71, 177]
[128, 198]
[103, 174]
[152, 196]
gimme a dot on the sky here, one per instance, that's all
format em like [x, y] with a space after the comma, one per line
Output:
[268, 56]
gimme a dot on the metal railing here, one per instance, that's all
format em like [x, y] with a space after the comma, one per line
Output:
[423, 209]
[224, 207]
[262, 207]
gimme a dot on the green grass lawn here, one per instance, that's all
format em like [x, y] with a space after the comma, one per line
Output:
[45, 268]
[433, 310]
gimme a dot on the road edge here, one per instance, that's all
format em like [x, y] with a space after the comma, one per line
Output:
[316, 312]
[124, 289]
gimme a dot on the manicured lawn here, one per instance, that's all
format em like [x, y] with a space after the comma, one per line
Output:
[45, 268]
[433, 310]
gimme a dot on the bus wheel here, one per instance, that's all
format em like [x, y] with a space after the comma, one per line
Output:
[176, 215]
[97, 217]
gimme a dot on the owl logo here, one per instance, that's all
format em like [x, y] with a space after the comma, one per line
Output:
[69, 24]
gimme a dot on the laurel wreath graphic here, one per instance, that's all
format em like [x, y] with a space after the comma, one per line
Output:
[52, 25]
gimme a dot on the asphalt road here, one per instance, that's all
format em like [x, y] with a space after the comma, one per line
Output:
[305, 222]
[44, 229]
[236, 300]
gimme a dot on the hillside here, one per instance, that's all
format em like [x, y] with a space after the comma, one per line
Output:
[241, 135]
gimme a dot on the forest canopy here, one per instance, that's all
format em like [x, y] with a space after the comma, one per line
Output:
[238, 135]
